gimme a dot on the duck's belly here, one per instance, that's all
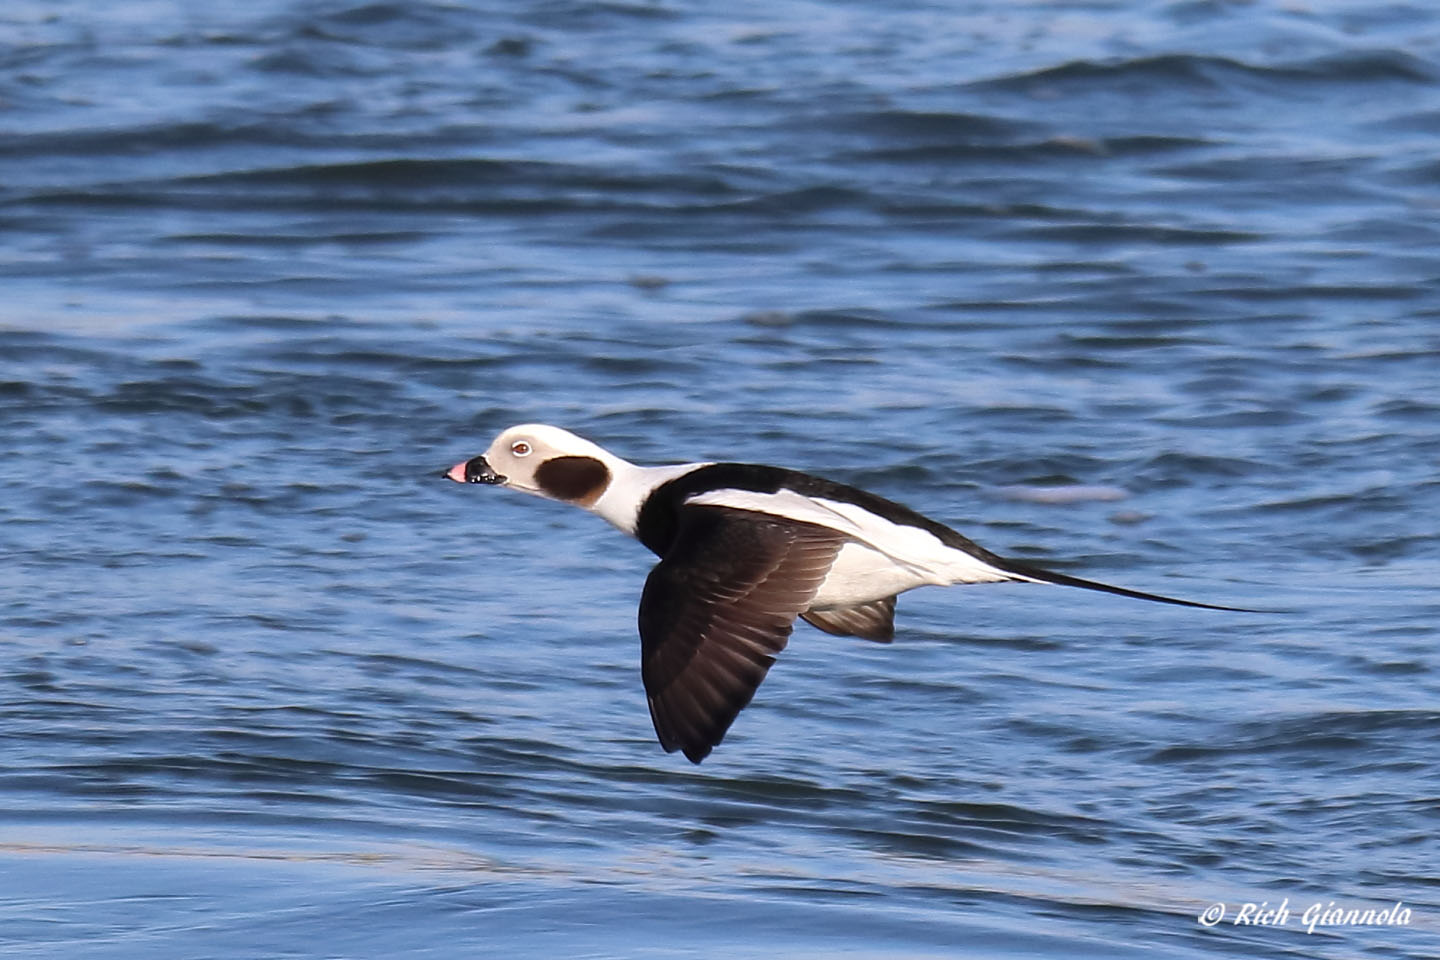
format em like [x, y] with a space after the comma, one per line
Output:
[861, 574]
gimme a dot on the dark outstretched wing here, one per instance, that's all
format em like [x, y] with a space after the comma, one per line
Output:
[716, 610]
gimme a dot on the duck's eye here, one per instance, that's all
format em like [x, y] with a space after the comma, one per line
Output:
[520, 448]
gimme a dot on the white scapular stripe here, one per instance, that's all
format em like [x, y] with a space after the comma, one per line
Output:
[919, 551]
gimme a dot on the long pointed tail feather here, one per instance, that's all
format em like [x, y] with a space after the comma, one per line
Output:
[1041, 575]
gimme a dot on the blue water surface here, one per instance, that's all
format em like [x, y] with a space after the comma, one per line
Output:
[1145, 292]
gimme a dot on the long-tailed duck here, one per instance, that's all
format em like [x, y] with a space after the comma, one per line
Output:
[745, 549]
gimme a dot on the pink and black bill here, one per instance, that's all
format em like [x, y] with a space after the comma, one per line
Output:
[474, 470]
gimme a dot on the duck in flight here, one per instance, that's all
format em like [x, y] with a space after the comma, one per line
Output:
[745, 549]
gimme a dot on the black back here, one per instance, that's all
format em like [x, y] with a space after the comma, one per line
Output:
[659, 516]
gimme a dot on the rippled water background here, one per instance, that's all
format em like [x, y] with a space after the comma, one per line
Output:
[1144, 290]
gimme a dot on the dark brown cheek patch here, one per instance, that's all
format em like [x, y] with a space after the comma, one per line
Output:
[577, 479]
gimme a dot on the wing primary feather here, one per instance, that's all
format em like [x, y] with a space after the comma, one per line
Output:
[869, 621]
